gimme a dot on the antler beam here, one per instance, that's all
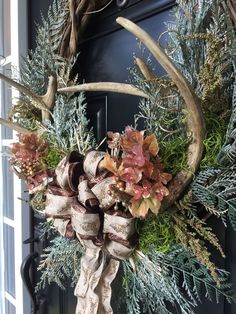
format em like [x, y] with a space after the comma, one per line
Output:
[49, 97]
[196, 125]
[104, 87]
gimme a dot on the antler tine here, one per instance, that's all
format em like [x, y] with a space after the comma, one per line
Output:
[45, 102]
[145, 70]
[149, 75]
[14, 126]
[49, 97]
[38, 102]
[104, 87]
[195, 118]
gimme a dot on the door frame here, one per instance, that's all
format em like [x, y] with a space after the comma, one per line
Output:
[19, 302]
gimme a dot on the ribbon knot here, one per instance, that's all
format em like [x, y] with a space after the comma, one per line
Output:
[82, 207]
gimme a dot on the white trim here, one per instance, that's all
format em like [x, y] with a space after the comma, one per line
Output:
[9, 222]
[21, 211]
[10, 298]
[5, 61]
[20, 223]
[2, 268]
[8, 142]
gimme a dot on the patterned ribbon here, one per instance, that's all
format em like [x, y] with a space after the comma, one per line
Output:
[77, 203]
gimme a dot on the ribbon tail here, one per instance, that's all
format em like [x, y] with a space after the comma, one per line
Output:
[93, 289]
[104, 287]
[92, 265]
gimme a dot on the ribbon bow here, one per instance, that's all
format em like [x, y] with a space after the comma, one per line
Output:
[82, 207]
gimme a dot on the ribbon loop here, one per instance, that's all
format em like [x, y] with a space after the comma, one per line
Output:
[121, 227]
[118, 250]
[69, 170]
[91, 162]
[102, 192]
[86, 225]
[86, 196]
[58, 204]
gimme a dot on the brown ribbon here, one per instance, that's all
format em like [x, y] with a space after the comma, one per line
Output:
[77, 204]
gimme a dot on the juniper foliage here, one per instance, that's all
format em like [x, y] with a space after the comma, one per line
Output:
[200, 35]
[69, 130]
[41, 62]
[45, 57]
[69, 127]
[60, 261]
[227, 155]
[216, 190]
[175, 278]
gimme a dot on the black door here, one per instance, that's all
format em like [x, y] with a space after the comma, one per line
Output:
[105, 55]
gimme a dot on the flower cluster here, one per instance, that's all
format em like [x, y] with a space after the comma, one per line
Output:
[137, 170]
[27, 158]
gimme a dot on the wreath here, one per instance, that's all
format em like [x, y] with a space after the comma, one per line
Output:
[135, 206]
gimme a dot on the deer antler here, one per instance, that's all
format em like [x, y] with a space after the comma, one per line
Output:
[104, 86]
[49, 97]
[37, 100]
[196, 124]
[14, 126]
[149, 75]
[45, 102]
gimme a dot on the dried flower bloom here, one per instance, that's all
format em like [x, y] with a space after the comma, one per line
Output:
[114, 143]
[27, 155]
[139, 170]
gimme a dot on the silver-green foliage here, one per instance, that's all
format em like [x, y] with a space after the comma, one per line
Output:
[60, 261]
[162, 112]
[69, 129]
[213, 188]
[186, 48]
[36, 66]
[216, 190]
[227, 155]
[175, 279]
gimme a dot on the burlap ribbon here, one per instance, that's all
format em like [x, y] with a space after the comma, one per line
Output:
[77, 203]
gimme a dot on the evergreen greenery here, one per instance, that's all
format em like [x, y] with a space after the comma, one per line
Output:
[158, 282]
[69, 129]
[216, 190]
[227, 155]
[60, 261]
[36, 67]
